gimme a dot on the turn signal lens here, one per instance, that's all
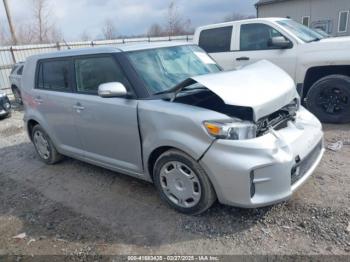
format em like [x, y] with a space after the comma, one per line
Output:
[235, 130]
[212, 129]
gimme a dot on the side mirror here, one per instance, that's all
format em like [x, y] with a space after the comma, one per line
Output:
[112, 89]
[280, 42]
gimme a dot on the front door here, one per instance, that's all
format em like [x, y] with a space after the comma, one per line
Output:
[108, 127]
[254, 45]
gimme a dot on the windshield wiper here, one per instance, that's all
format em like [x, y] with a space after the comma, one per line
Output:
[316, 39]
[163, 92]
[178, 87]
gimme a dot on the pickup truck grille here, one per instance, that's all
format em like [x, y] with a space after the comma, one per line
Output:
[300, 168]
[278, 119]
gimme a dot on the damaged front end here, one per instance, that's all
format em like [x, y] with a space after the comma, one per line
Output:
[256, 98]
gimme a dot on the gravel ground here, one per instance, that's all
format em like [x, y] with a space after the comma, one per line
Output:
[76, 208]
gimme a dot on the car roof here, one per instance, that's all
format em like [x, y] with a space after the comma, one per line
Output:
[108, 49]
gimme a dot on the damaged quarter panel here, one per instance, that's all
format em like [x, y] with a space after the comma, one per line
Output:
[176, 125]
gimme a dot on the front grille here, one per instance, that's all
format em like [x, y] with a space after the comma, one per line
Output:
[278, 119]
[301, 167]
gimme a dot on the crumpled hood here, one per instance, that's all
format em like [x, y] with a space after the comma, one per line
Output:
[262, 86]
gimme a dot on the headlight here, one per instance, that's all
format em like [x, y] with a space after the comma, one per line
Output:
[235, 130]
[293, 107]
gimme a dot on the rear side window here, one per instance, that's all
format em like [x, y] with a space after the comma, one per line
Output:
[20, 70]
[55, 75]
[257, 37]
[93, 71]
[216, 40]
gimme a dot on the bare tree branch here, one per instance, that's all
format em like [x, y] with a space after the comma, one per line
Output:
[155, 30]
[3, 36]
[236, 17]
[175, 22]
[85, 36]
[43, 27]
[109, 30]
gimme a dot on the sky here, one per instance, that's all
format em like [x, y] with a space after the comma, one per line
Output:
[131, 17]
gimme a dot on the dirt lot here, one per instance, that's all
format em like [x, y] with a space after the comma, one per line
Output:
[77, 208]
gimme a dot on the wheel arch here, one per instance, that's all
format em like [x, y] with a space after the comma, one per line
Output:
[31, 123]
[313, 74]
[13, 86]
[155, 154]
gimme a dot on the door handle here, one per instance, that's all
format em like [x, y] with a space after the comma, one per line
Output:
[78, 107]
[243, 58]
[38, 100]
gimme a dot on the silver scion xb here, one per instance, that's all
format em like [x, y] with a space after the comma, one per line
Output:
[166, 113]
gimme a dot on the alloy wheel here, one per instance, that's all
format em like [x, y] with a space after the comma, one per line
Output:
[332, 100]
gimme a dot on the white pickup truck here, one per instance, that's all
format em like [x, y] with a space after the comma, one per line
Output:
[320, 66]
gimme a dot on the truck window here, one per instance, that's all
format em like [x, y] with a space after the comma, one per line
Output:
[216, 40]
[55, 75]
[257, 37]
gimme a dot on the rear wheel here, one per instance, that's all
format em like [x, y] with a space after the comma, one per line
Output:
[329, 99]
[182, 183]
[44, 146]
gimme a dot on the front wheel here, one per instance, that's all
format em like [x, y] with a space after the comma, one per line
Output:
[182, 183]
[329, 99]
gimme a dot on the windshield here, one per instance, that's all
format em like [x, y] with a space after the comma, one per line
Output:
[164, 68]
[304, 33]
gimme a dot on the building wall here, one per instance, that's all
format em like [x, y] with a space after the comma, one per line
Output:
[318, 10]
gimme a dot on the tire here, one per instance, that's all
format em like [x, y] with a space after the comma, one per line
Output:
[329, 99]
[17, 95]
[182, 183]
[52, 156]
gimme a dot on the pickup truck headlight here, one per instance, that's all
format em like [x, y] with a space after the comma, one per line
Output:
[235, 130]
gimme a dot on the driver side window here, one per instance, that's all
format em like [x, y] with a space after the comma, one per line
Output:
[257, 37]
[93, 71]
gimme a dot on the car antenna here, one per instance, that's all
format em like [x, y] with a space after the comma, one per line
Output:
[64, 41]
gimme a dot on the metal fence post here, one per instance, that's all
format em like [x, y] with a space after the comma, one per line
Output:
[92, 43]
[58, 46]
[13, 55]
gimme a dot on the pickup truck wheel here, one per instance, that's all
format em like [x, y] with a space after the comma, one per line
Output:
[329, 99]
[44, 146]
[182, 183]
[17, 95]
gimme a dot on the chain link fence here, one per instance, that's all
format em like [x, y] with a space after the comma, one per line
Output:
[10, 55]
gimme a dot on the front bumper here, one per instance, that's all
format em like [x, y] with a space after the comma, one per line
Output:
[268, 169]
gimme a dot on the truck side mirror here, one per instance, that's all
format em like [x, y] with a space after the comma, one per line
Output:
[280, 42]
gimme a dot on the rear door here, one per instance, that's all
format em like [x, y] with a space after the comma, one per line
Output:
[108, 127]
[53, 98]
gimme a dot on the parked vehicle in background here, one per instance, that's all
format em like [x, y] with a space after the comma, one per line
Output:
[5, 106]
[15, 81]
[319, 65]
[166, 114]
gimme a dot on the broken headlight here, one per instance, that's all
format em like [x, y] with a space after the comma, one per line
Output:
[234, 130]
